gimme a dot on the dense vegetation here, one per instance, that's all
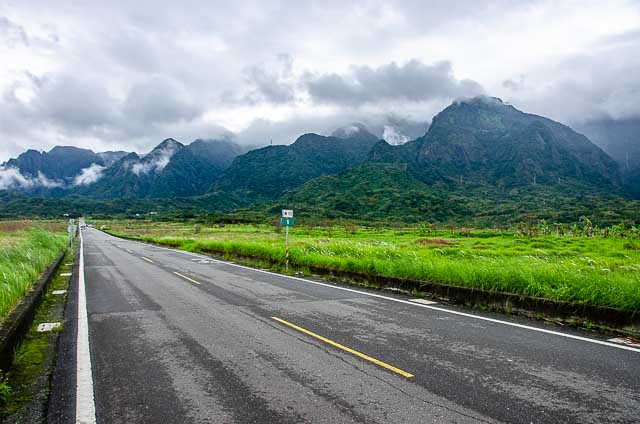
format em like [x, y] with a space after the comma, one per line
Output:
[269, 172]
[348, 197]
[385, 192]
[25, 251]
[582, 263]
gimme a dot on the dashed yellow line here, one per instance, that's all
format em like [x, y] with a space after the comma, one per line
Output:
[147, 259]
[186, 278]
[346, 349]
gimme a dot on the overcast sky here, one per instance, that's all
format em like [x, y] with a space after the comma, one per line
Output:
[124, 74]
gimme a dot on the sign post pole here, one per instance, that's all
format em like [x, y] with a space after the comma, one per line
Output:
[286, 249]
[71, 229]
[286, 220]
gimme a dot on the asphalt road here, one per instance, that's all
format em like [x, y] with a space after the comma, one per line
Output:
[175, 338]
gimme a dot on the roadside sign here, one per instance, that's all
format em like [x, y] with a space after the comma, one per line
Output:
[287, 222]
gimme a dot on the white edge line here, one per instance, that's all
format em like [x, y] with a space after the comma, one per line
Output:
[85, 402]
[420, 305]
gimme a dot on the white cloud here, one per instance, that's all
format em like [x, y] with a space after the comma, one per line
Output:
[392, 137]
[155, 161]
[89, 175]
[11, 178]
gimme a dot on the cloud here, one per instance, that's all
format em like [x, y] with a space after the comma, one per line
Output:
[155, 161]
[600, 84]
[121, 75]
[160, 99]
[392, 137]
[347, 131]
[412, 82]
[89, 175]
[272, 82]
[12, 34]
[74, 102]
[11, 178]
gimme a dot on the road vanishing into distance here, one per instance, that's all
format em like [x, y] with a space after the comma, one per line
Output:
[176, 337]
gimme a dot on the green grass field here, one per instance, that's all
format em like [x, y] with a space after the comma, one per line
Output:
[591, 270]
[26, 248]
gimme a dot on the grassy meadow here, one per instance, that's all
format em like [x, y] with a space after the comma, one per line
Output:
[26, 248]
[585, 265]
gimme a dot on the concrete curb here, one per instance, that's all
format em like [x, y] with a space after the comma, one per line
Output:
[17, 323]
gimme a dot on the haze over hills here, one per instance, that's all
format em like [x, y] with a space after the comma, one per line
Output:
[621, 140]
[477, 153]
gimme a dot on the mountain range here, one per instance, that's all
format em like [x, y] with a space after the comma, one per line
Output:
[476, 151]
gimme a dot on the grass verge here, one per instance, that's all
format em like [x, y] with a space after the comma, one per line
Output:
[27, 382]
[583, 270]
[24, 255]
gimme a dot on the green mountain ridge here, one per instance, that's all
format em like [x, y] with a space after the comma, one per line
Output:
[480, 160]
[482, 139]
[171, 169]
[269, 172]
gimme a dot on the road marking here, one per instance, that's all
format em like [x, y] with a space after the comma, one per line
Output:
[85, 402]
[423, 301]
[147, 259]
[346, 349]
[186, 278]
[407, 302]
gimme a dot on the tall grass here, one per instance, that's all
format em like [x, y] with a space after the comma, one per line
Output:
[23, 256]
[594, 271]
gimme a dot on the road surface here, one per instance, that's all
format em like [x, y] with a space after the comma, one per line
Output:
[175, 337]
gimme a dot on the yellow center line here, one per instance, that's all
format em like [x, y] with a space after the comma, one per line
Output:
[186, 278]
[147, 259]
[346, 349]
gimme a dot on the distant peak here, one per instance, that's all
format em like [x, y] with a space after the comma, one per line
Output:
[169, 142]
[60, 149]
[168, 145]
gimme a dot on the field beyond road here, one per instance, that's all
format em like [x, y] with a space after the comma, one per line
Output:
[26, 248]
[601, 270]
